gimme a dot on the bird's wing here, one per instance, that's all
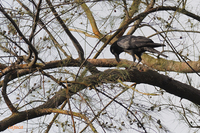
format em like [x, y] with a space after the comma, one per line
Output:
[141, 41]
[124, 41]
[128, 42]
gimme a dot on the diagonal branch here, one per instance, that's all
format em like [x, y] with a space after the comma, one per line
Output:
[133, 10]
[54, 118]
[35, 21]
[163, 8]
[137, 22]
[45, 28]
[122, 27]
[90, 18]
[22, 36]
[99, 112]
[73, 39]
[78, 47]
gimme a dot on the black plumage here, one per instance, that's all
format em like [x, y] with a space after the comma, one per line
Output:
[135, 45]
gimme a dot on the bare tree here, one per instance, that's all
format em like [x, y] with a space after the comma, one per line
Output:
[58, 74]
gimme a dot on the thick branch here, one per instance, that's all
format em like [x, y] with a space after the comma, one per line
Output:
[158, 64]
[32, 113]
[163, 8]
[5, 96]
[109, 76]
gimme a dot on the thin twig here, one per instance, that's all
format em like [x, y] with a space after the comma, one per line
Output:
[55, 116]
[113, 99]
[139, 122]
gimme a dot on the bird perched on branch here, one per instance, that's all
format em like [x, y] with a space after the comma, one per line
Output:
[135, 45]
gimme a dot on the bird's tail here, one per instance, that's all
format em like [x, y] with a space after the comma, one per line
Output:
[154, 45]
[155, 51]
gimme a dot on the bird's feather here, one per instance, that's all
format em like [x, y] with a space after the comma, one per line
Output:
[154, 51]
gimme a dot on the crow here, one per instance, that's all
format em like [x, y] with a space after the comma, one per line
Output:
[135, 45]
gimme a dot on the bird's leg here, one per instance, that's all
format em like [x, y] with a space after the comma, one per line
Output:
[133, 55]
[139, 60]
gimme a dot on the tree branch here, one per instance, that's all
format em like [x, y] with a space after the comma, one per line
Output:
[5, 96]
[90, 18]
[73, 39]
[22, 36]
[55, 42]
[163, 8]
[158, 64]
[133, 9]
[137, 22]
[109, 76]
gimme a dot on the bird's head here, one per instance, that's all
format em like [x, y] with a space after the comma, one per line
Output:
[112, 50]
[115, 50]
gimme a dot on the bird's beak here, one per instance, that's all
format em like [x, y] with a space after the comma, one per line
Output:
[117, 57]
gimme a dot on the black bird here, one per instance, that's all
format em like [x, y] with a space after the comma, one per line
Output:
[135, 45]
